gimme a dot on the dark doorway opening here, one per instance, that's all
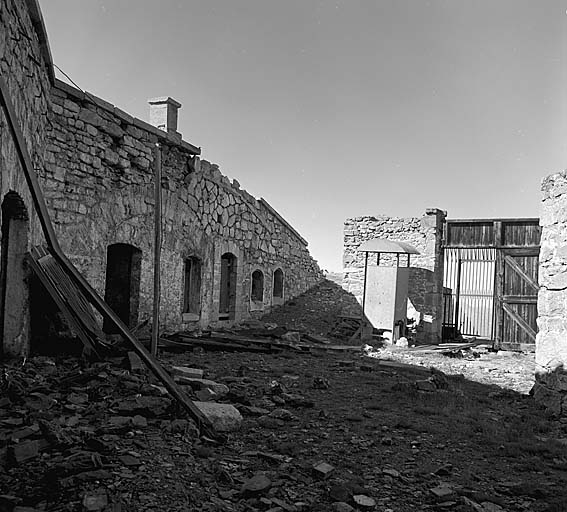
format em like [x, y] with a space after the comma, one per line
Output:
[227, 305]
[14, 296]
[122, 291]
[257, 293]
[278, 288]
[192, 288]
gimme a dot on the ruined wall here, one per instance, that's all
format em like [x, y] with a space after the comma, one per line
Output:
[99, 187]
[551, 342]
[25, 66]
[426, 272]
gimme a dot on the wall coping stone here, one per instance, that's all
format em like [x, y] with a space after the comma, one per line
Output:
[138, 123]
[164, 99]
[268, 207]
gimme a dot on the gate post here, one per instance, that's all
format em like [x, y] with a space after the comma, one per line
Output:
[434, 220]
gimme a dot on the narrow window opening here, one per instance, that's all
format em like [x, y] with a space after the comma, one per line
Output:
[257, 294]
[192, 288]
[278, 284]
[227, 304]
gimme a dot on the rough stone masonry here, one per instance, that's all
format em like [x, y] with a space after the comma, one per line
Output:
[27, 70]
[426, 272]
[227, 256]
[99, 185]
[551, 343]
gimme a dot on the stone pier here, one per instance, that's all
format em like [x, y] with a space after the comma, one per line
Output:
[551, 343]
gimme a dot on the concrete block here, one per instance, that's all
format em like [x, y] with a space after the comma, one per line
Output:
[323, 470]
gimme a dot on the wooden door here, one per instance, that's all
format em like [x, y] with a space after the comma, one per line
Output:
[517, 287]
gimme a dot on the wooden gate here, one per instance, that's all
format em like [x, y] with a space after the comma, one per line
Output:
[490, 280]
[517, 287]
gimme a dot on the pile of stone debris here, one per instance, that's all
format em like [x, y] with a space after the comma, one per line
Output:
[83, 437]
[64, 425]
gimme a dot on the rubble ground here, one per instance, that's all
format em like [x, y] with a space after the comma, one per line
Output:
[321, 431]
[382, 429]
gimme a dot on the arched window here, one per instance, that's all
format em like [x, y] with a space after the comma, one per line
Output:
[192, 286]
[227, 305]
[257, 292]
[122, 290]
[278, 284]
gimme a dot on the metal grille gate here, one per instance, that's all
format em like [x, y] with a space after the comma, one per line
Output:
[469, 291]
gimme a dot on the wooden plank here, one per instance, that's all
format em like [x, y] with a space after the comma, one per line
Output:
[494, 219]
[188, 343]
[74, 323]
[521, 234]
[498, 295]
[521, 251]
[519, 299]
[520, 271]
[519, 320]
[157, 249]
[479, 233]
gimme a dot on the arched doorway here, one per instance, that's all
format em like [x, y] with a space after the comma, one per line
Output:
[14, 296]
[227, 304]
[257, 291]
[122, 290]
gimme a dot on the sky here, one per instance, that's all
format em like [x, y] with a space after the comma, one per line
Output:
[332, 109]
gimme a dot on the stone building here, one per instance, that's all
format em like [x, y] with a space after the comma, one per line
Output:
[226, 256]
[26, 69]
[426, 272]
[551, 342]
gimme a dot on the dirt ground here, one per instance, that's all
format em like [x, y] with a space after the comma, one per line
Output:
[392, 434]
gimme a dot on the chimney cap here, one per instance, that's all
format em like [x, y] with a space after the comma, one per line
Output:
[164, 99]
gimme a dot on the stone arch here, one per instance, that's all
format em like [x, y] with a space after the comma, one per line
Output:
[122, 288]
[14, 276]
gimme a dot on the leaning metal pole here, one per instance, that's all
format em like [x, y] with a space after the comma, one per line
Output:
[157, 250]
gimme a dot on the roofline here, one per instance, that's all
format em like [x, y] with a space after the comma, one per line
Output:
[127, 118]
[39, 26]
[271, 209]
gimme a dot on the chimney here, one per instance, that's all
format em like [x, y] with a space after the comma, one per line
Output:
[163, 114]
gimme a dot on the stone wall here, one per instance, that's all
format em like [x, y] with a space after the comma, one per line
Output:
[426, 271]
[551, 342]
[25, 66]
[99, 188]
